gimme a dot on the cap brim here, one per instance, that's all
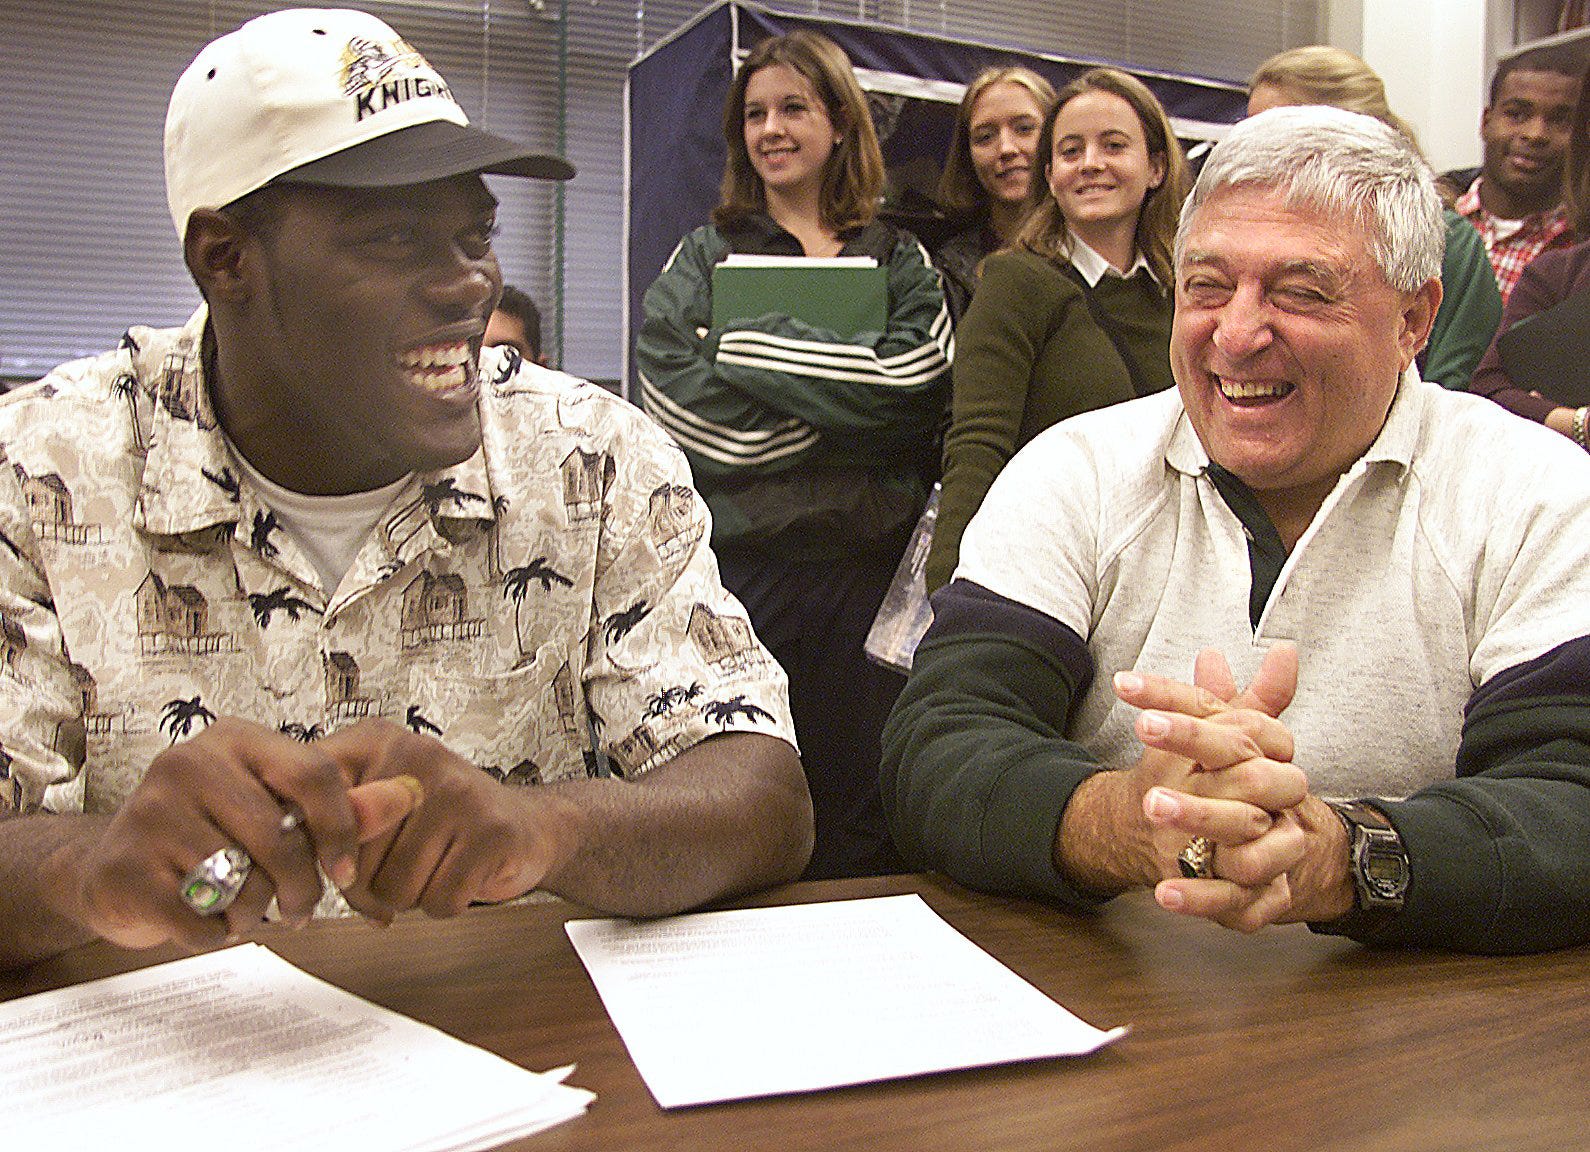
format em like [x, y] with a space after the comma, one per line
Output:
[423, 152]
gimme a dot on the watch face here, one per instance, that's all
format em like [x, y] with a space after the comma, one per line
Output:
[1386, 874]
[1383, 870]
[1382, 867]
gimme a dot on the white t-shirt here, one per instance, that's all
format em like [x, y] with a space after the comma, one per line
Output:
[330, 529]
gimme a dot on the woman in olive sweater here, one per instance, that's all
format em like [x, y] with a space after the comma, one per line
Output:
[1076, 313]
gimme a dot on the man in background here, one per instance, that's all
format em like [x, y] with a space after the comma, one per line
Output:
[1514, 200]
[516, 322]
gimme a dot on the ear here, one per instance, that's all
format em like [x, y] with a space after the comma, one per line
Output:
[215, 249]
[1418, 317]
[1156, 170]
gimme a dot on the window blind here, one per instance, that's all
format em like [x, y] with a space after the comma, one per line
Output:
[86, 246]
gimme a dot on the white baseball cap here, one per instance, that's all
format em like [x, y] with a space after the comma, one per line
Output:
[321, 96]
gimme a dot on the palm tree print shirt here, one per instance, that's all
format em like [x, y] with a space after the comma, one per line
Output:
[548, 608]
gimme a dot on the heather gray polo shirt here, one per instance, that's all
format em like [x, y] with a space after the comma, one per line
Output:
[1452, 551]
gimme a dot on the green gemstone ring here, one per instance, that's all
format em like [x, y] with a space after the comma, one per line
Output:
[212, 886]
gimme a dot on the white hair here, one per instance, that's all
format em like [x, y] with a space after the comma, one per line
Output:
[1339, 163]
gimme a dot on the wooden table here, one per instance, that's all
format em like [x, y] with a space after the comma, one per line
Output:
[1280, 1041]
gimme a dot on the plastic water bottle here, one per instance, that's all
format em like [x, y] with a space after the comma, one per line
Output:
[905, 615]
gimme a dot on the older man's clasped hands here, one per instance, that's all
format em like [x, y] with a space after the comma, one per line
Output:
[1217, 763]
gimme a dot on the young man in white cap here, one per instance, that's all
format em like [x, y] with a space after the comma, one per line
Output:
[312, 585]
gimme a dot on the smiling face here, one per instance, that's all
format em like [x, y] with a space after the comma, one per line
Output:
[788, 133]
[1100, 169]
[1287, 345]
[1525, 132]
[1002, 137]
[353, 359]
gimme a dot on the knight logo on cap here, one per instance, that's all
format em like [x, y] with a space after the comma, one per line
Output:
[367, 76]
[326, 96]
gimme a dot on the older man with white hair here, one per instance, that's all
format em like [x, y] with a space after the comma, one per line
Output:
[1394, 571]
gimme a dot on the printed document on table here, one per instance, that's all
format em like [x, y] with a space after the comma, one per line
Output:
[726, 1005]
[240, 1050]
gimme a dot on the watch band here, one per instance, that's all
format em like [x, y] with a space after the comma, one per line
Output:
[1379, 867]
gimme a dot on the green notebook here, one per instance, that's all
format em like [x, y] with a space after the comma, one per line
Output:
[845, 295]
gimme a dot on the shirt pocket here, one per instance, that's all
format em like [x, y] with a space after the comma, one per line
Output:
[526, 725]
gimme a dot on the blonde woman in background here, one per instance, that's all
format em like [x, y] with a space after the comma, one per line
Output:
[1471, 303]
[1076, 313]
[988, 177]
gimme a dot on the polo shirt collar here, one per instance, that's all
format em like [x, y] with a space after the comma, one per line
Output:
[188, 481]
[1399, 436]
[1394, 445]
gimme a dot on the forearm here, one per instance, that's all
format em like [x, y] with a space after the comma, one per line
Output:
[729, 815]
[37, 854]
[1491, 381]
[727, 430]
[1498, 856]
[1103, 844]
[993, 367]
[964, 486]
[977, 770]
[874, 382]
[1560, 420]
[836, 386]
[1497, 866]
[1490, 378]
[985, 422]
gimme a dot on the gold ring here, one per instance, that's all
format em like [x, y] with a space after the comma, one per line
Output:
[1197, 860]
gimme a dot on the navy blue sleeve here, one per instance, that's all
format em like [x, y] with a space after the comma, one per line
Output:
[1500, 855]
[977, 769]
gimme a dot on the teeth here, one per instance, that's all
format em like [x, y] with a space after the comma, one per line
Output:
[1253, 389]
[437, 356]
[438, 366]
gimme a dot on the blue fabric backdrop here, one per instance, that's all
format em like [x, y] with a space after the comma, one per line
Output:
[674, 102]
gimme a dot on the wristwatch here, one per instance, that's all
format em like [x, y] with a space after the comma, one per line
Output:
[1379, 865]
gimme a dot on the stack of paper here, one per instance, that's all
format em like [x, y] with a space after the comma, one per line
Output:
[240, 1050]
[726, 1005]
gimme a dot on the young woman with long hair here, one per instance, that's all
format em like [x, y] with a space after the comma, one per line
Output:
[813, 449]
[1076, 313]
[988, 178]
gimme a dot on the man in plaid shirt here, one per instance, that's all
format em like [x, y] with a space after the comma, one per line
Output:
[1515, 200]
